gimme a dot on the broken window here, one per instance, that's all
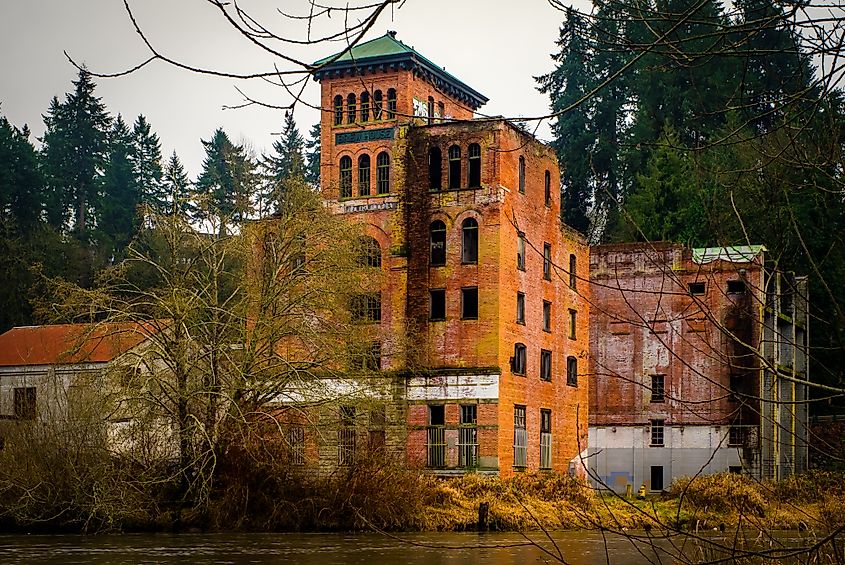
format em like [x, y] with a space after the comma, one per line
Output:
[454, 166]
[474, 151]
[573, 278]
[469, 241]
[545, 365]
[547, 316]
[573, 323]
[366, 308]
[545, 439]
[518, 361]
[522, 174]
[438, 243]
[736, 287]
[377, 104]
[351, 109]
[520, 437]
[435, 168]
[436, 436]
[520, 251]
[345, 176]
[697, 288]
[364, 175]
[658, 384]
[365, 106]
[338, 110]
[383, 173]
[547, 261]
[468, 436]
[437, 300]
[657, 433]
[391, 103]
[520, 308]
[469, 303]
[571, 371]
[25, 401]
[547, 190]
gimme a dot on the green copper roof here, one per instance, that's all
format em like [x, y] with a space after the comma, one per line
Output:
[734, 254]
[388, 53]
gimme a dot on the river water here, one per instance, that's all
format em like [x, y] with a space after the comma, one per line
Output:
[577, 548]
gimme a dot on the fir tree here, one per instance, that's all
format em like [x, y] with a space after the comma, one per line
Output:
[312, 156]
[21, 183]
[176, 186]
[118, 211]
[285, 162]
[146, 165]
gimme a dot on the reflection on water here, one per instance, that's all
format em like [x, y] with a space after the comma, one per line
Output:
[578, 548]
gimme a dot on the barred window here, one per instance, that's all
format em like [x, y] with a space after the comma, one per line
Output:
[296, 443]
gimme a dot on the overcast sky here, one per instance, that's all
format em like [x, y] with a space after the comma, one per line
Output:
[496, 47]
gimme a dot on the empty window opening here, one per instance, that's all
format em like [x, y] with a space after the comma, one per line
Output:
[435, 168]
[383, 173]
[522, 174]
[469, 241]
[474, 151]
[658, 388]
[25, 401]
[520, 438]
[545, 439]
[369, 252]
[573, 324]
[697, 288]
[520, 308]
[520, 251]
[518, 361]
[338, 110]
[573, 269]
[657, 433]
[365, 106]
[657, 477]
[438, 243]
[469, 303]
[735, 470]
[437, 300]
[735, 392]
[571, 371]
[345, 176]
[454, 167]
[430, 110]
[547, 188]
[364, 175]
[351, 109]
[545, 365]
[391, 103]
[547, 316]
[547, 261]
[468, 436]
[377, 105]
[736, 287]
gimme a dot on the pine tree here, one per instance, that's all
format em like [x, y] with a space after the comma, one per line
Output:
[146, 165]
[21, 183]
[176, 186]
[312, 156]
[118, 211]
[284, 163]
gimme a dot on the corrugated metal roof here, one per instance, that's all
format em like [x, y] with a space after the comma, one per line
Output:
[734, 254]
[64, 344]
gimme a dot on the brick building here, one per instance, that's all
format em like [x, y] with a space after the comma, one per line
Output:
[482, 314]
[699, 355]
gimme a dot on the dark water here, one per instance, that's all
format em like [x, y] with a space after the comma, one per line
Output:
[577, 548]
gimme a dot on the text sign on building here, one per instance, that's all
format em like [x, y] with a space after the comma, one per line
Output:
[361, 136]
[372, 207]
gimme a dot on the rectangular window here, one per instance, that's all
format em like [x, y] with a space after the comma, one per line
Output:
[346, 436]
[547, 316]
[378, 420]
[522, 174]
[697, 288]
[520, 308]
[658, 383]
[573, 270]
[468, 436]
[437, 304]
[736, 287]
[518, 360]
[571, 371]
[545, 364]
[296, 441]
[520, 251]
[657, 477]
[573, 323]
[25, 403]
[545, 439]
[657, 433]
[373, 360]
[736, 436]
[520, 438]
[366, 308]
[436, 436]
[547, 261]
[735, 388]
[469, 303]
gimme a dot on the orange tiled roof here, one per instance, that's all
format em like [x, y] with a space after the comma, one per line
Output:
[65, 344]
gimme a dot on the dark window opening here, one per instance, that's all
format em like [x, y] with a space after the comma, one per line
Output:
[436, 441]
[435, 168]
[573, 278]
[736, 436]
[735, 388]
[391, 103]
[518, 361]
[697, 288]
[657, 432]
[437, 299]
[345, 176]
[520, 308]
[573, 324]
[474, 165]
[656, 477]
[469, 303]
[658, 384]
[383, 173]
[520, 251]
[441, 110]
[736, 287]
[438, 243]
[377, 105]
[437, 415]
[338, 110]
[351, 109]
[369, 253]
[547, 316]
[365, 106]
[430, 110]
[571, 371]
[469, 241]
[547, 190]
[545, 365]
[735, 470]
[366, 308]
[364, 175]
[547, 261]
[522, 174]
[25, 400]
[454, 167]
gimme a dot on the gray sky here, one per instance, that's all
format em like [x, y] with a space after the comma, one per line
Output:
[495, 46]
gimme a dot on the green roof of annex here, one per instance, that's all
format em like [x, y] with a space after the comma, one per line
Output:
[388, 53]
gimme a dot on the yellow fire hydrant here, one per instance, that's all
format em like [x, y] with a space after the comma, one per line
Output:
[641, 492]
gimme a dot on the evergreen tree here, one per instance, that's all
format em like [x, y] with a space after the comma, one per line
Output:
[312, 156]
[146, 165]
[176, 187]
[285, 162]
[21, 183]
[227, 182]
[118, 211]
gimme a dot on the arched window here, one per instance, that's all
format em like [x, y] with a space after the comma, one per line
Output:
[469, 241]
[365, 106]
[548, 188]
[430, 110]
[351, 109]
[391, 103]
[573, 269]
[364, 175]
[522, 174]
[369, 252]
[454, 167]
[345, 176]
[438, 243]
[435, 168]
[338, 110]
[474, 165]
[383, 173]
[377, 105]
